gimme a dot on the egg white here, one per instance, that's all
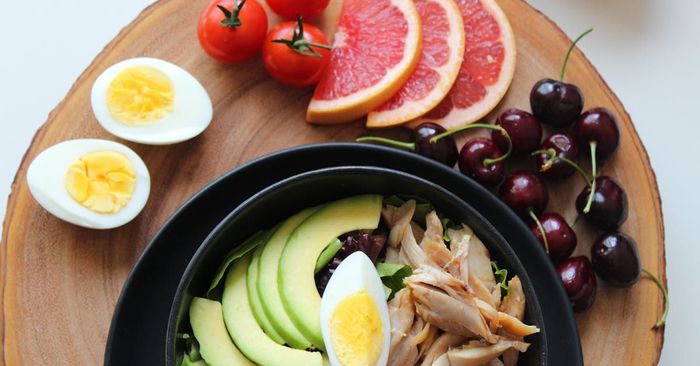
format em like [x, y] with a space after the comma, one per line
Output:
[355, 273]
[46, 174]
[192, 108]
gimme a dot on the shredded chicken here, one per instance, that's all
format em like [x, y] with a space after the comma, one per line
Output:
[496, 361]
[480, 267]
[475, 353]
[440, 346]
[418, 231]
[459, 248]
[401, 317]
[451, 312]
[426, 339]
[398, 218]
[433, 244]
[411, 254]
[513, 304]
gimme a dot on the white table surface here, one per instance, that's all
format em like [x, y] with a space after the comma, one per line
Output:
[647, 50]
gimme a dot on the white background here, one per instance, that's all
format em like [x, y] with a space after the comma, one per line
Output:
[647, 50]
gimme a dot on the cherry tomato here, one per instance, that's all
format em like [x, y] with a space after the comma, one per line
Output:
[232, 31]
[296, 53]
[291, 8]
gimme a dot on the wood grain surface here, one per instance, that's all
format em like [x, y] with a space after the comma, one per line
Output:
[60, 282]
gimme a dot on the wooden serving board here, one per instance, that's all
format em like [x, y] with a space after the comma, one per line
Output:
[60, 282]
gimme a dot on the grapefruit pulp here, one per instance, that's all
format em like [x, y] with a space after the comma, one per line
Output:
[443, 50]
[376, 48]
[487, 69]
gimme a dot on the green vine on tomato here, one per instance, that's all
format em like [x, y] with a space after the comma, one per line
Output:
[301, 45]
[231, 18]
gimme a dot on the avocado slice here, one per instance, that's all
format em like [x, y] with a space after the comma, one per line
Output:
[246, 332]
[328, 254]
[216, 347]
[254, 298]
[298, 261]
[268, 286]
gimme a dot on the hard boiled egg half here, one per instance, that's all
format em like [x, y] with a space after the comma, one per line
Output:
[97, 184]
[354, 315]
[150, 101]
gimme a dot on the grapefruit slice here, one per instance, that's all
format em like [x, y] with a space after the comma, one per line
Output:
[487, 69]
[441, 58]
[376, 48]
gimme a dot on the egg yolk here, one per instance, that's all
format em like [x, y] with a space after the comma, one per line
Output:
[139, 95]
[356, 331]
[101, 181]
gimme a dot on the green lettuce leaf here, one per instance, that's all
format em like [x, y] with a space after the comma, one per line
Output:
[251, 243]
[392, 276]
[501, 277]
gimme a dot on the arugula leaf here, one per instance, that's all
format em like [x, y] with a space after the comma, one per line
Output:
[501, 277]
[191, 355]
[392, 276]
[445, 224]
[251, 243]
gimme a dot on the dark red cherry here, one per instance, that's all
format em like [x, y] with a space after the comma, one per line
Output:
[561, 239]
[474, 162]
[443, 150]
[609, 205]
[576, 274]
[615, 259]
[563, 146]
[555, 103]
[523, 192]
[524, 130]
[598, 125]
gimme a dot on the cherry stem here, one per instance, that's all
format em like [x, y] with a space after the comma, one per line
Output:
[541, 228]
[410, 146]
[487, 162]
[594, 173]
[553, 158]
[568, 53]
[662, 321]
[573, 223]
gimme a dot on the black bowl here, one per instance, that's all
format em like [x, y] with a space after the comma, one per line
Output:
[283, 199]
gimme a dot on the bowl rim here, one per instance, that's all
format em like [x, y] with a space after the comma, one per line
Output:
[218, 235]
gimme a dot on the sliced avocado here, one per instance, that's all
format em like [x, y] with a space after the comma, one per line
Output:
[268, 286]
[254, 298]
[296, 272]
[216, 347]
[246, 332]
[328, 254]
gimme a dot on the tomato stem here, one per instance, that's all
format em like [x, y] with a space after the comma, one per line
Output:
[300, 45]
[231, 17]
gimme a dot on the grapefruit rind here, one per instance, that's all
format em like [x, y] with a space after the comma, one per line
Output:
[448, 72]
[354, 106]
[495, 92]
